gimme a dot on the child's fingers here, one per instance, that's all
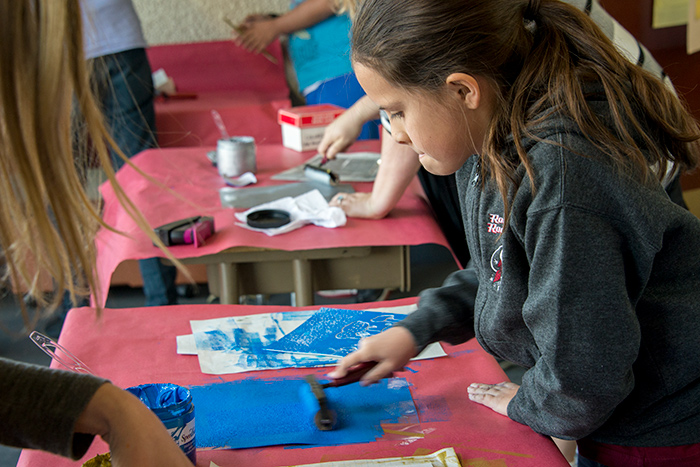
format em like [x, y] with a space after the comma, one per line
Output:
[344, 364]
[337, 146]
[383, 369]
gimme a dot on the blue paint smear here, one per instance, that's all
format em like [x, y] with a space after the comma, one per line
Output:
[265, 412]
[332, 331]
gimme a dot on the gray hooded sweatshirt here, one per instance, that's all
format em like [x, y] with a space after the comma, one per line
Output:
[594, 287]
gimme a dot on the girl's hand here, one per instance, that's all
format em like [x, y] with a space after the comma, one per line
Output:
[256, 33]
[340, 134]
[392, 349]
[136, 436]
[493, 396]
[356, 205]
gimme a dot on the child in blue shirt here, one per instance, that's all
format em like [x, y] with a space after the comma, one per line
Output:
[319, 48]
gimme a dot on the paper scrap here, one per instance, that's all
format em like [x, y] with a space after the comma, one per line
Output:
[693, 32]
[669, 13]
[443, 458]
[186, 345]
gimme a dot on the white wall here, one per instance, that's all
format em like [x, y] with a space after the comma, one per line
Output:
[173, 21]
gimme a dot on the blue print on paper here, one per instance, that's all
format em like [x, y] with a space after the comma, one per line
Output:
[237, 344]
[335, 332]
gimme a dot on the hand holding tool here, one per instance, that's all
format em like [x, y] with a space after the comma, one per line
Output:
[324, 417]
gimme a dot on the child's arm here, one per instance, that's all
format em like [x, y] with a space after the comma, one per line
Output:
[257, 32]
[135, 434]
[399, 165]
[345, 129]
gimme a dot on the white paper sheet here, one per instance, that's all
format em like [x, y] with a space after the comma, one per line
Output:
[212, 342]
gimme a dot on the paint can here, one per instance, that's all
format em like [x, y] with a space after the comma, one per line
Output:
[173, 405]
[235, 156]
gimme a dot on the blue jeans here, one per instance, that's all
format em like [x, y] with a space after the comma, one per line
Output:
[125, 90]
[158, 282]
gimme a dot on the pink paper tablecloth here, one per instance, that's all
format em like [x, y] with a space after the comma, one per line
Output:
[194, 185]
[188, 122]
[245, 88]
[137, 345]
[222, 66]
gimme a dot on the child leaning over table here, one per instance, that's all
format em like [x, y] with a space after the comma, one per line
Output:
[319, 48]
[584, 271]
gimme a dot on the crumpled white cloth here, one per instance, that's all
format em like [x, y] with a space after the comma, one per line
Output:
[309, 208]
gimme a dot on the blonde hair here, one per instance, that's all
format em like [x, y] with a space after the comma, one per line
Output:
[47, 221]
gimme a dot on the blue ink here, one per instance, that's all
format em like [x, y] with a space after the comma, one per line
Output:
[257, 412]
[217, 340]
[462, 352]
[335, 332]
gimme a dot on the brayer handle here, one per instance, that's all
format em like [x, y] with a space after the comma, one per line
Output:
[353, 376]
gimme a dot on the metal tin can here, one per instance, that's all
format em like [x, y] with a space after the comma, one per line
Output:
[235, 156]
[173, 405]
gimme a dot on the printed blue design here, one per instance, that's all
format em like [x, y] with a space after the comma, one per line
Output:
[335, 332]
[239, 343]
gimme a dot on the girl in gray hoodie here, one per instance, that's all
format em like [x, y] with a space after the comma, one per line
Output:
[583, 271]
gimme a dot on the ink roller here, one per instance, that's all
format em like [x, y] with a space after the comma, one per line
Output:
[321, 175]
[314, 396]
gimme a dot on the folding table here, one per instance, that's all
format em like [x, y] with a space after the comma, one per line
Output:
[138, 345]
[363, 254]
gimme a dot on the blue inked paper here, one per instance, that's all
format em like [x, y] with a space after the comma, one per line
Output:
[331, 331]
[237, 344]
[265, 412]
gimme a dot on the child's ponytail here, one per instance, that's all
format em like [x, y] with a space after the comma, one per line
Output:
[649, 126]
[539, 55]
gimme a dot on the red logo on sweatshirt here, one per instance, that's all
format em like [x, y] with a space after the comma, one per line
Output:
[496, 266]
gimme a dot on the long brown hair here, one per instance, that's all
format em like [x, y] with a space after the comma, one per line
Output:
[538, 55]
[47, 221]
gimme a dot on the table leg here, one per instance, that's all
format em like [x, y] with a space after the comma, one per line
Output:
[228, 284]
[303, 287]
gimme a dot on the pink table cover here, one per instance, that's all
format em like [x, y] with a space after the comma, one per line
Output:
[216, 66]
[188, 122]
[190, 187]
[137, 345]
[245, 88]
